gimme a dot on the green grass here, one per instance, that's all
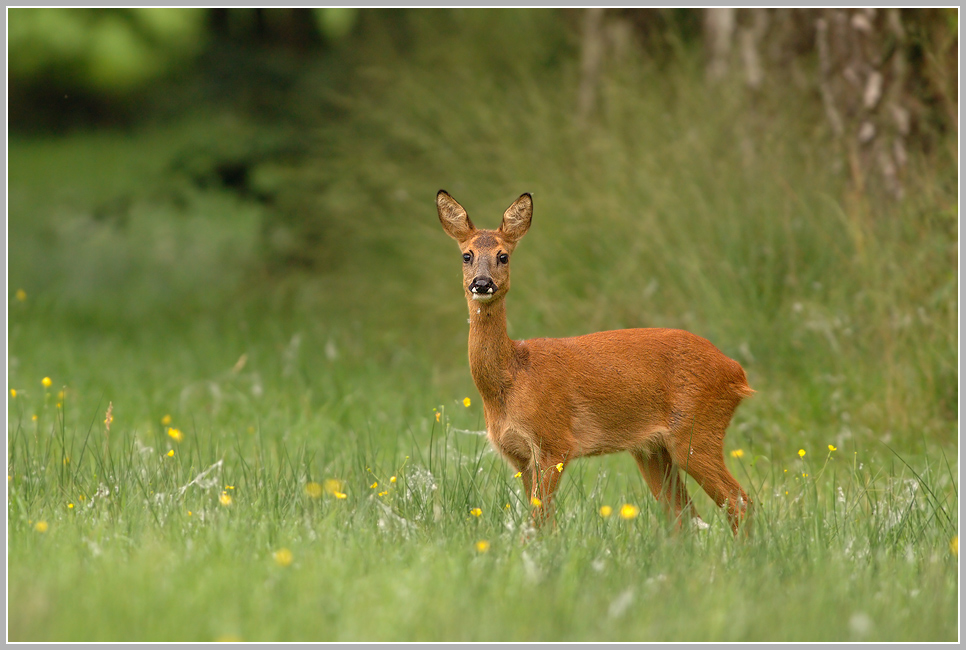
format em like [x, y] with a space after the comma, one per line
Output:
[726, 218]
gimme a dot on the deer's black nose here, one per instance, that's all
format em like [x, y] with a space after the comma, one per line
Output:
[482, 286]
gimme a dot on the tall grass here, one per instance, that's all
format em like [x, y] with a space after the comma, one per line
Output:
[236, 537]
[679, 205]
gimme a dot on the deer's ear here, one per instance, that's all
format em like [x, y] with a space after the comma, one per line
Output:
[455, 221]
[516, 219]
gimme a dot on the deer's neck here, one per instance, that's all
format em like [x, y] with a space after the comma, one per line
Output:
[491, 350]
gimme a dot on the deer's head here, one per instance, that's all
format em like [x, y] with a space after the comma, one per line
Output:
[486, 253]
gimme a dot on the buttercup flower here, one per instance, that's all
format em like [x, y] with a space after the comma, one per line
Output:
[482, 546]
[629, 511]
[41, 526]
[283, 557]
[13, 392]
[166, 420]
[476, 512]
[954, 545]
[224, 499]
[606, 511]
[737, 453]
[832, 448]
[559, 467]
[466, 402]
[46, 382]
[536, 502]
[171, 453]
[21, 295]
[176, 434]
[313, 489]
[801, 453]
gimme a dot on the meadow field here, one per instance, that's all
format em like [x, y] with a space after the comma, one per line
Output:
[201, 448]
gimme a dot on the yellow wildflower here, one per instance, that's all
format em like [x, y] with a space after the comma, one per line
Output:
[46, 382]
[476, 512]
[954, 545]
[375, 485]
[13, 392]
[283, 557]
[518, 475]
[313, 489]
[536, 502]
[333, 485]
[166, 420]
[171, 453]
[437, 416]
[41, 526]
[737, 453]
[21, 295]
[383, 493]
[559, 467]
[801, 453]
[832, 448]
[340, 495]
[482, 546]
[605, 511]
[392, 479]
[224, 499]
[175, 434]
[70, 506]
[629, 511]
[466, 402]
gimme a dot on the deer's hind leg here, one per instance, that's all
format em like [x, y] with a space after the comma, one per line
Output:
[665, 481]
[701, 454]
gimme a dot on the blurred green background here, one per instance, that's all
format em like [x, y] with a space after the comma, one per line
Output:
[226, 216]
[690, 169]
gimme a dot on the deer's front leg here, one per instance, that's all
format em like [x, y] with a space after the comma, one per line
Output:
[545, 477]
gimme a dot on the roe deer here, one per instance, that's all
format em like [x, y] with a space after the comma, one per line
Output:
[664, 395]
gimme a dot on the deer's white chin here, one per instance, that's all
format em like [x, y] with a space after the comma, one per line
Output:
[483, 297]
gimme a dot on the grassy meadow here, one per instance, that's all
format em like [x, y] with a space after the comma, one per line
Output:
[200, 449]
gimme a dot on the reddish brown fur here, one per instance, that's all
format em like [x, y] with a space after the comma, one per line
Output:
[666, 396]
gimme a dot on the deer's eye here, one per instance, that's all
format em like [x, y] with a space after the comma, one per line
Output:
[467, 258]
[503, 258]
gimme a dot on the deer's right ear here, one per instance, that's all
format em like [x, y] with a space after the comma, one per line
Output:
[455, 221]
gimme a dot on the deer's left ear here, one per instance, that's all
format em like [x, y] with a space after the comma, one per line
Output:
[516, 219]
[455, 221]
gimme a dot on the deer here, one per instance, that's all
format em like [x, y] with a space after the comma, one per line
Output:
[666, 396]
